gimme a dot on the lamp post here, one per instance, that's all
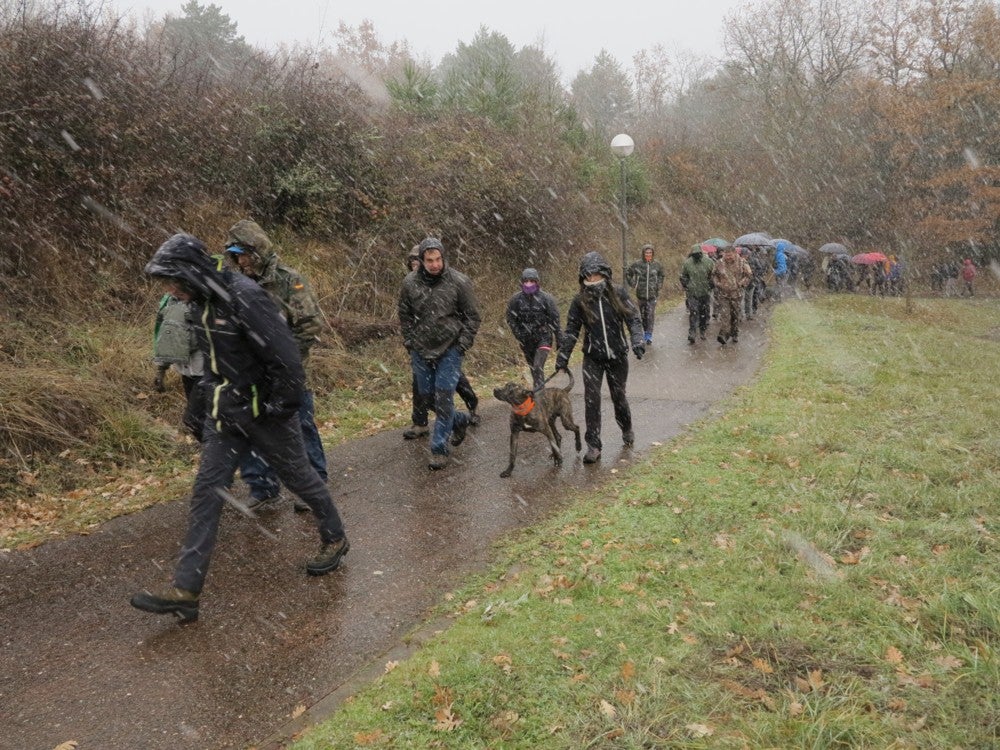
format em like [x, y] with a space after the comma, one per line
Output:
[621, 146]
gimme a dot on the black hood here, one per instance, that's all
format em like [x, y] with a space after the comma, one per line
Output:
[185, 257]
[594, 262]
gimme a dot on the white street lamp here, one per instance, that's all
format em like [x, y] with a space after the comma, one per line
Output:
[622, 146]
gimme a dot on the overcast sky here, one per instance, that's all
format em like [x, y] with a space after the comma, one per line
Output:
[573, 32]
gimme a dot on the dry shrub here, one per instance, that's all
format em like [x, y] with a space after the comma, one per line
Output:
[45, 411]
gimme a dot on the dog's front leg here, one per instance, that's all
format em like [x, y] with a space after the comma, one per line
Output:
[513, 452]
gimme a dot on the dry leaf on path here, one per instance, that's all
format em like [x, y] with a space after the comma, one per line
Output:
[608, 710]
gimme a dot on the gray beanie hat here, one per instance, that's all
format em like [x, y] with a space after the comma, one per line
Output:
[529, 274]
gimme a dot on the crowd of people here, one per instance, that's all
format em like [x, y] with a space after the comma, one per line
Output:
[238, 326]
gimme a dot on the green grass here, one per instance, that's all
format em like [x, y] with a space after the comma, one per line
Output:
[818, 568]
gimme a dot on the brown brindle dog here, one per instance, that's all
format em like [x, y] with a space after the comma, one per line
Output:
[537, 412]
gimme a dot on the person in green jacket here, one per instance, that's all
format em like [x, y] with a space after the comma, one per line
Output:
[696, 278]
[252, 250]
[646, 278]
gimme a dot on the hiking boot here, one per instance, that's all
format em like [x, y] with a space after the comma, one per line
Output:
[628, 437]
[173, 601]
[473, 418]
[721, 339]
[458, 433]
[438, 461]
[702, 336]
[263, 503]
[691, 338]
[736, 338]
[328, 558]
[416, 431]
[592, 456]
[649, 338]
[301, 506]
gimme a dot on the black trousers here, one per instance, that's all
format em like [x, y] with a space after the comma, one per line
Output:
[280, 443]
[594, 372]
[698, 313]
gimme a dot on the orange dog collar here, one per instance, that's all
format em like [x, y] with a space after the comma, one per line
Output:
[524, 408]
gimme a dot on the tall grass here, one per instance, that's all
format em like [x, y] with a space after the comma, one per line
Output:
[816, 568]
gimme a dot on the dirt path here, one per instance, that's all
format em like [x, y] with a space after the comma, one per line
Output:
[78, 663]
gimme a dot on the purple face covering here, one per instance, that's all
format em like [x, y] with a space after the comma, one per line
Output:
[529, 287]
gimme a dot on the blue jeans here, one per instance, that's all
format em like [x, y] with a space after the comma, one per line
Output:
[438, 379]
[262, 479]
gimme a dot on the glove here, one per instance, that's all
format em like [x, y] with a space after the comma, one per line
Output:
[639, 350]
[158, 385]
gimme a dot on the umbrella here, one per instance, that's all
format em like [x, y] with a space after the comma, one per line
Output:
[868, 259]
[717, 242]
[754, 239]
[709, 249]
[834, 248]
[796, 250]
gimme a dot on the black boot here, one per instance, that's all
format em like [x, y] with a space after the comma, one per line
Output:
[173, 601]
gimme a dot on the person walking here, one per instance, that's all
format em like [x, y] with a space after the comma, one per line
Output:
[780, 269]
[757, 289]
[175, 346]
[439, 320]
[533, 318]
[646, 278]
[696, 279]
[422, 406]
[253, 252]
[611, 323]
[968, 274]
[256, 381]
[730, 276]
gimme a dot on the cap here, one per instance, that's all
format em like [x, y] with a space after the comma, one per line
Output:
[529, 274]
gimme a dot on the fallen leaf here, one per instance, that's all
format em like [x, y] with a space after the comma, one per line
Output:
[434, 670]
[625, 697]
[298, 711]
[795, 708]
[390, 665]
[762, 666]
[948, 662]
[628, 670]
[368, 738]
[893, 655]
[816, 679]
[699, 730]
[446, 720]
[896, 704]
[68, 745]
[608, 710]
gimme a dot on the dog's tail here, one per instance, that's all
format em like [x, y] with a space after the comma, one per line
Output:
[569, 387]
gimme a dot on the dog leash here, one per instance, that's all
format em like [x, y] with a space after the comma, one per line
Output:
[540, 388]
